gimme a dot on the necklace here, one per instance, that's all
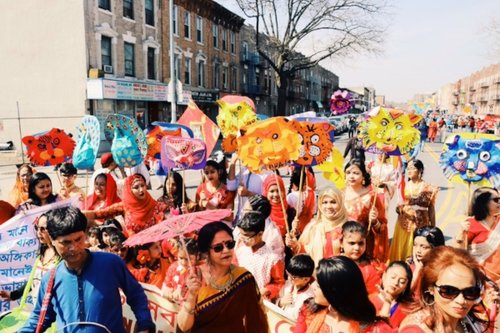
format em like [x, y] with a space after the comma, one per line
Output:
[225, 286]
[414, 192]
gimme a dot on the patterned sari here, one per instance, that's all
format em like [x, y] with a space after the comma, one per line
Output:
[237, 309]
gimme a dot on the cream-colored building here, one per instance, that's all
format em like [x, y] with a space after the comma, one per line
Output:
[478, 93]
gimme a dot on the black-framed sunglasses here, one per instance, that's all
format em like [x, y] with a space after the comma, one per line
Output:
[450, 292]
[220, 246]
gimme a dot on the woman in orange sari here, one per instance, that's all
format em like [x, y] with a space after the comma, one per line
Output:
[19, 192]
[364, 206]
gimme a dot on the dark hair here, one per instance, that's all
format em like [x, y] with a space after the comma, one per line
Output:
[301, 265]
[220, 169]
[101, 175]
[207, 233]
[351, 227]
[179, 185]
[117, 238]
[22, 166]
[406, 296]
[433, 235]
[68, 169]
[65, 221]
[417, 164]
[112, 223]
[96, 231]
[295, 178]
[191, 246]
[342, 284]
[252, 222]
[35, 179]
[261, 204]
[478, 206]
[361, 165]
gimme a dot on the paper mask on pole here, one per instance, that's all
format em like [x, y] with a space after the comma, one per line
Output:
[183, 153]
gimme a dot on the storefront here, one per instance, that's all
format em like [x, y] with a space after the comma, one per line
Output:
[143, 101]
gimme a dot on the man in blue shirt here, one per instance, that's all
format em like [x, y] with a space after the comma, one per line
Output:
[85, 293]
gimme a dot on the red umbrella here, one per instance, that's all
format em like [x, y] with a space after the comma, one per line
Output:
[177, 225]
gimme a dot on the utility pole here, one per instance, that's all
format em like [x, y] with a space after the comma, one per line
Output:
[173, 77]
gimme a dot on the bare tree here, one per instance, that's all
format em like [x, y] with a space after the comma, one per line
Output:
[302, 33]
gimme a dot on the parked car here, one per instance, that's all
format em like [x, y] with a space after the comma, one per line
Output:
[341, 123]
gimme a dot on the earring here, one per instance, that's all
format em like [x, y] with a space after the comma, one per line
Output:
[427, 303]
[363, 182]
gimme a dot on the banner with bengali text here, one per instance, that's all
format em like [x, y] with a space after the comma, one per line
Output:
[19, 248]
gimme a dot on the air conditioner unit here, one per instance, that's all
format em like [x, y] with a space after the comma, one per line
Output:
[108, 69]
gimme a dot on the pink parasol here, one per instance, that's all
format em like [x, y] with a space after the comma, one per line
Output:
[177, 225]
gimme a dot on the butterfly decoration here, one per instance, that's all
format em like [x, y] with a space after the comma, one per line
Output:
[183, 153]
[49, 148]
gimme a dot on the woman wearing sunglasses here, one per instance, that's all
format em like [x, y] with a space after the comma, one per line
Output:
[221, 297]
[481, 232]
[451, 285]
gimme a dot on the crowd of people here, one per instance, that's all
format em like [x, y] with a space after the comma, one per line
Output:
[324, 258]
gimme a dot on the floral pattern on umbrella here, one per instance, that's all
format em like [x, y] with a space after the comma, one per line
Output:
[177, 225]
[49, 148]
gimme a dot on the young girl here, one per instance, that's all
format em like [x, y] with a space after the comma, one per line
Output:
[68, 174]
[213, 193]
[395, 293]
[365, 207]
[176, 201]
[93, 236]
[174, 287]
[354, 247]
[149, 266]
[307, 207]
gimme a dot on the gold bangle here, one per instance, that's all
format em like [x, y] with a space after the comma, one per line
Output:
[190, 311]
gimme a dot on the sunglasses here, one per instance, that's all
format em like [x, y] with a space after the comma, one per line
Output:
[496, 200]
[220, 246]
[450, 292]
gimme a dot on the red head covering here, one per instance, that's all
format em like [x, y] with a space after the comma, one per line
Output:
[111, 194]
[139, 214]
[6, 211]
[277, 216]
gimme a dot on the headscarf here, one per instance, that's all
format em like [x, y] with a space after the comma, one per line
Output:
[17, 194]
[314, 236]
[139, 214]
[278, 217]
[111, 193]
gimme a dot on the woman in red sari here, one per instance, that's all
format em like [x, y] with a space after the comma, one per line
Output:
[139, 208]
[221, 297]
[365, 207]
[105, 194]
[271, 191]
[306, 208]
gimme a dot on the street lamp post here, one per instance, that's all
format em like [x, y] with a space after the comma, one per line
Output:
[173, 77]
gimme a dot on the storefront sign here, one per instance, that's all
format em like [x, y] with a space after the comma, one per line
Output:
[126, 90]
[205, 96]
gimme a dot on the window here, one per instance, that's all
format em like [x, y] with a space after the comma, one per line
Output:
[199, 29]
[106, 59]
[149, 6]
[129, 60]
[187, 71]
[187, 25]
[234, 78]
[216, 75]
[176, 66]
[224, 77]
[245, 51]
[224, 40]
[233, 42]
[175, 17]
[151, 64]
[105, 4]
[215, 35]
[128, 9]
[201, 73]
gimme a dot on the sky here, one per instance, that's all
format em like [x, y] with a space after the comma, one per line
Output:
[428, 43]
